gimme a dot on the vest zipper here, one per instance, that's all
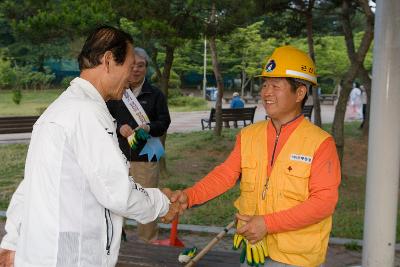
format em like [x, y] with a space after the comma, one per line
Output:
[276, 142]
[272, 163]
[109, 225]
[265, 189]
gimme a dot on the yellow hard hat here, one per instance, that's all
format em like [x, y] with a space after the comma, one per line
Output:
[288, 61]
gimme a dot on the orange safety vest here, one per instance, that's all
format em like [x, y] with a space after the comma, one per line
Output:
[287, 187]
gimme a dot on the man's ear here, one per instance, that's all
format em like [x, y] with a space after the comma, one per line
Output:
[108, 59]
[301, 93]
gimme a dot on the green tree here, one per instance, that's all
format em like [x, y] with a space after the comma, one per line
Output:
[249, 50]
[189, 57]
[43, 29]
[222, 17]
[7, 73]
[357, 58]
[161, 26]
[6, 37]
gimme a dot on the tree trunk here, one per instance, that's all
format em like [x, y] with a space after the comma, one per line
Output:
[243, 82]
[356, 59]
[154, 56]
[220, 86]
[310, 41]
[340, 111]
[169, 58]
[366, 80]
[163, 162]
[251, 86]
[217, 73]
[41, 63]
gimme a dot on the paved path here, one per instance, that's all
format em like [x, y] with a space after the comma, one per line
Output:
[190, 121]
[18, 138]
[181, 122]
[338, 256]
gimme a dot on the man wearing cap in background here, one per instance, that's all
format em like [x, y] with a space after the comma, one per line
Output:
[289, 171]
[237, 102]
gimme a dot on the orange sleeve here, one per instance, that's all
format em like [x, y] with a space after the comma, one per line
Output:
[323, 193]
[219, 180]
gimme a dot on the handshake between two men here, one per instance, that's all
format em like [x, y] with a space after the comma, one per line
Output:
[252, 228]
[179, 203]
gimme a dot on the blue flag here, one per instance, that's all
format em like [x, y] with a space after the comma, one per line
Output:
[153, 147]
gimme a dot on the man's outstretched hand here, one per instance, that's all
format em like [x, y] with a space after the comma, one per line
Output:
[173, 213]
[6, 257]
[180, 197]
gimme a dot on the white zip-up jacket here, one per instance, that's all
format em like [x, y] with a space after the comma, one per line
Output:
[68, 210]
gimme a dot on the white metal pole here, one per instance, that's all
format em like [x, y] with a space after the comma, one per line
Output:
[384, 140]
[205, 68]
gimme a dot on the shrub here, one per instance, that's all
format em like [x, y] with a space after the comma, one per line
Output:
[66, 80]
[172, 93]
[174, 80]
[7, 74]
[17, 77]
[29, 79]
[16, 96]
[181, 101]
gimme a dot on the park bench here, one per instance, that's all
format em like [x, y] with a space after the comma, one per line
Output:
[17, 124]
[327, 98]
[307, 111]
[235, 115]
[246, 99]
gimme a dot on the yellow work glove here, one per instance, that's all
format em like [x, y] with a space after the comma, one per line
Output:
[254, 254]
[139, 136]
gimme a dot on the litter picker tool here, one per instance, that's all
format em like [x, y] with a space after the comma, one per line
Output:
[208, 247]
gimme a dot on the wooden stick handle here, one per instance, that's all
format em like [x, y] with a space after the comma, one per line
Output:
[208, 247]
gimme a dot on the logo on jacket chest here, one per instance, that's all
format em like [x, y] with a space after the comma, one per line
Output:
[109, 131]
[302, 158]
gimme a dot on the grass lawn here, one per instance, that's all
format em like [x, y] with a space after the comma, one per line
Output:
[190, 156]
[32, 103]
[12, 161]
[35, 102]
[188, 108]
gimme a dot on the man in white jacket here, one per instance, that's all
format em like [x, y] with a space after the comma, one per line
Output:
[68, 209]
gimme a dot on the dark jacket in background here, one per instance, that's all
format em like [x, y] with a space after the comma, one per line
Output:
[155, 105]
